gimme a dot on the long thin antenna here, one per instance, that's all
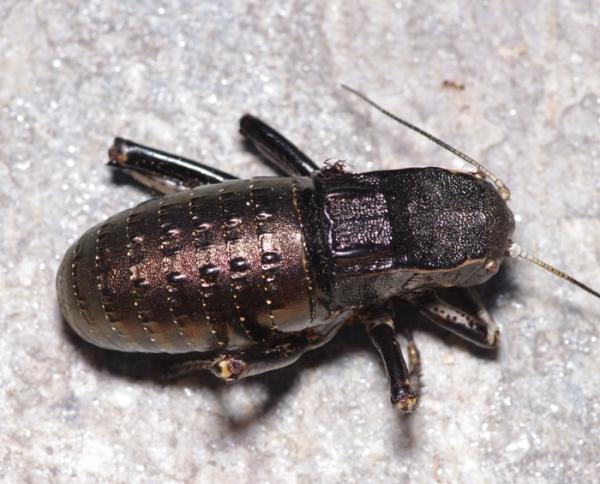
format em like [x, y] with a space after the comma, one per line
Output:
[515, 250]
[499, 184]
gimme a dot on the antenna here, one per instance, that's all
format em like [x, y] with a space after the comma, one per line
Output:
[499, 184]
[515, 250]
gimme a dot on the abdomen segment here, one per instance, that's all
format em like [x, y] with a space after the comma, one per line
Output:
[217, 267]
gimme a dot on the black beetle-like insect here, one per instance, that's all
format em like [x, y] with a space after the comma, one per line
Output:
[251, 274]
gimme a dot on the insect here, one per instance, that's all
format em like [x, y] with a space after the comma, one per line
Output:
[247, 275]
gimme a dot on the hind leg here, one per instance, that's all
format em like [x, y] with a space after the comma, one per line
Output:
[276, 148]
[234, 366]
[160, 170]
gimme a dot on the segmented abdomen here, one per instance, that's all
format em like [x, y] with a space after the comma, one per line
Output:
[216, 267]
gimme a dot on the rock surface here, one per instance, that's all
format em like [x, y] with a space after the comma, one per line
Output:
[514, 84]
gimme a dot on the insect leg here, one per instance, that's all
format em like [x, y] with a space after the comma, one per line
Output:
[234, 366]
[176, 371]
[462, 312]
[383, 337]
[414, 361]
[277, 149]
[162, 171]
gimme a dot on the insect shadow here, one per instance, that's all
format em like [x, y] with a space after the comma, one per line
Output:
[153, 368]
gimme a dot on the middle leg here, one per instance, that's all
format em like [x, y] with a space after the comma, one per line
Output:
[400, 376]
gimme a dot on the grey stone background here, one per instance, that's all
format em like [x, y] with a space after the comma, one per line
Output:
[178, 75]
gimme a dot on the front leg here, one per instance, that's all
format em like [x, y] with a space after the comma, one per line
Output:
[461, 311]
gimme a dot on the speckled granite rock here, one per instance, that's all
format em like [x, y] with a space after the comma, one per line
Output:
[74, 74]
